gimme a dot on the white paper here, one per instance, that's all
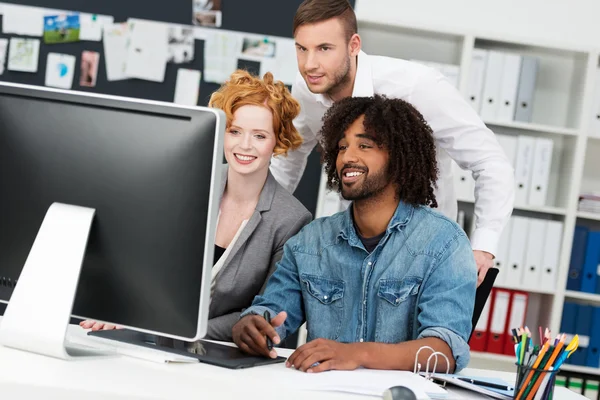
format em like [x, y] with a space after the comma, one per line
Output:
[23, 54]
[3, 52]
[92, 26]
[60, 70]
[187, 87]
[181, 44]
[206, 12]
[221, 51]
[148, 50]
[116, 37]
[23, 20]
[284, 66]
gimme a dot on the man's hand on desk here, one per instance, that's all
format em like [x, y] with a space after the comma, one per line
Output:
[97, 326]
[324, 355]
[484, 261]
[250, 332]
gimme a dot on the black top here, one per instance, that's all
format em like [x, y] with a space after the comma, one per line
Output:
[218, 253]
[372, 242]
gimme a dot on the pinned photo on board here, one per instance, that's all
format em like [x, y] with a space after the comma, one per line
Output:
[207, 13]
[251, 66]
[181, 44]
[60, 70]
[62, 28]
[258, 47]
[89, 68]
[23, 54]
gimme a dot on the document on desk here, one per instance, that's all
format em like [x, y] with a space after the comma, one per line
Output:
[362, 381]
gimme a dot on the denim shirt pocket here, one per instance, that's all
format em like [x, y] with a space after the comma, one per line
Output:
[324, 306]
[396, 308]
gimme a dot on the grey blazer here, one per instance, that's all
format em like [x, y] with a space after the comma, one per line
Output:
[278, 216]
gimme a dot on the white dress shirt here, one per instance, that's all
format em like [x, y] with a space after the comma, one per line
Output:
[458, 131]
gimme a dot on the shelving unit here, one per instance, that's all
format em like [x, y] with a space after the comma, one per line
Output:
[563, 111]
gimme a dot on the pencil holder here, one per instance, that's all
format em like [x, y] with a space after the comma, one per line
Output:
[534, 384]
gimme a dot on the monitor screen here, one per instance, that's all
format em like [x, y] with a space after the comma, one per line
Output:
[151, 171]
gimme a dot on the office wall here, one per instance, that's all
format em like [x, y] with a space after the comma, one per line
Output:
[256, 16]
[572, 22]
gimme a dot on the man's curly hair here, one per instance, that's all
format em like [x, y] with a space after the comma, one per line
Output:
[397, 127]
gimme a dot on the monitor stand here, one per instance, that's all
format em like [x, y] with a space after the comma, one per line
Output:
[38, 313]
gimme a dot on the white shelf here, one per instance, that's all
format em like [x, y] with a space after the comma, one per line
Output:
[575, 295]
[588, 215]
[501, 358]
[542, 210]
[538, 291]
[557, 130]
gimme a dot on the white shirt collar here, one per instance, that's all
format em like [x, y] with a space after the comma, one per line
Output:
[363, 82]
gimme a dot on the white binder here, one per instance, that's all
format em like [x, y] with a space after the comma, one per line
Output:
[595, 125]
[551, 255]
[464, 183]
[476, 78]
[523, 168]
[534, 254]
[501, 259]
[540, 174]
[525, 94]
[492, 85]
[509, 145]
[509, 87]
[516, 251]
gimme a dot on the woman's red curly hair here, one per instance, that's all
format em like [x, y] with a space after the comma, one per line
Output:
[243, 88]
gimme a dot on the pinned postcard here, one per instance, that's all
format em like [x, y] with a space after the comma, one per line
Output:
[60, 70]
[181, 44]
[23, 54]
[207, 12]
[259, 47]
[116, 37]
[62, 28]
[23, 20]
[89, 68]
[221, 50]
[148, 50]
[187, 87]
[91, 26]
[3, 51]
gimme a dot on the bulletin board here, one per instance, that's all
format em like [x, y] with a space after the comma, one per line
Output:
[265, 17]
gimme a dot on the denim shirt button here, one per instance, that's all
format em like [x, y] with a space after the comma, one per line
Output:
[324, 297]
[369, 263]
[397, 300]
[361, 340]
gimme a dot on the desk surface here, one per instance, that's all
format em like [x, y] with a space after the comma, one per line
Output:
[27, 375]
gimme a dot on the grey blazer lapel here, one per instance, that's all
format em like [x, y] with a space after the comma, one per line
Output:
[264, 204]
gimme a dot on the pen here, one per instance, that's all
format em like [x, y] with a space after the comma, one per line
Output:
[486, 384]
[269, 342]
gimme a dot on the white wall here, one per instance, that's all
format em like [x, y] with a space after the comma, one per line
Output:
[570, 22]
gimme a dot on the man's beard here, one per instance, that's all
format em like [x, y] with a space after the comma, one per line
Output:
[340, 79]
[370, 187]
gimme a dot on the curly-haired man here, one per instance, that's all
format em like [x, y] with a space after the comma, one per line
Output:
[385, 277]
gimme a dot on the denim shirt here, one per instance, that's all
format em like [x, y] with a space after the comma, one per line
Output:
[418, 282]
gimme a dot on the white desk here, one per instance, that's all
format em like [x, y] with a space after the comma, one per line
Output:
[24, 375]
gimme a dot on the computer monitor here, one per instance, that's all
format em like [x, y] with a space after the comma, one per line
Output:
[152, 173]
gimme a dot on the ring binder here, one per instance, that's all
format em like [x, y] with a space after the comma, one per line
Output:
[429, 374]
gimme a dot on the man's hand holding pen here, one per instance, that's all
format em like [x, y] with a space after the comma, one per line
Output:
[255, 334]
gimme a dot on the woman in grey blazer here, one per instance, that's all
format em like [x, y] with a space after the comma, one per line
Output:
[256, 215]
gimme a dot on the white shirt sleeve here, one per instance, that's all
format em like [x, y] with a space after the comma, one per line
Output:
[463, 135]
[288, 169]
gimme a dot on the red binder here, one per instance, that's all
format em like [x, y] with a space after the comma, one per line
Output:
[479, 337]
[516, 319]
[497, 335]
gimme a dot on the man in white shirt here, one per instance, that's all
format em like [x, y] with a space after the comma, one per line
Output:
[332, 66]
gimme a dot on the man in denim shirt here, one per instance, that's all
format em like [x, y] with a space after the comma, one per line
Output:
[387, 276]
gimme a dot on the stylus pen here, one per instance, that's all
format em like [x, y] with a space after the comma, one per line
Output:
[486, 384]
[269, 342]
